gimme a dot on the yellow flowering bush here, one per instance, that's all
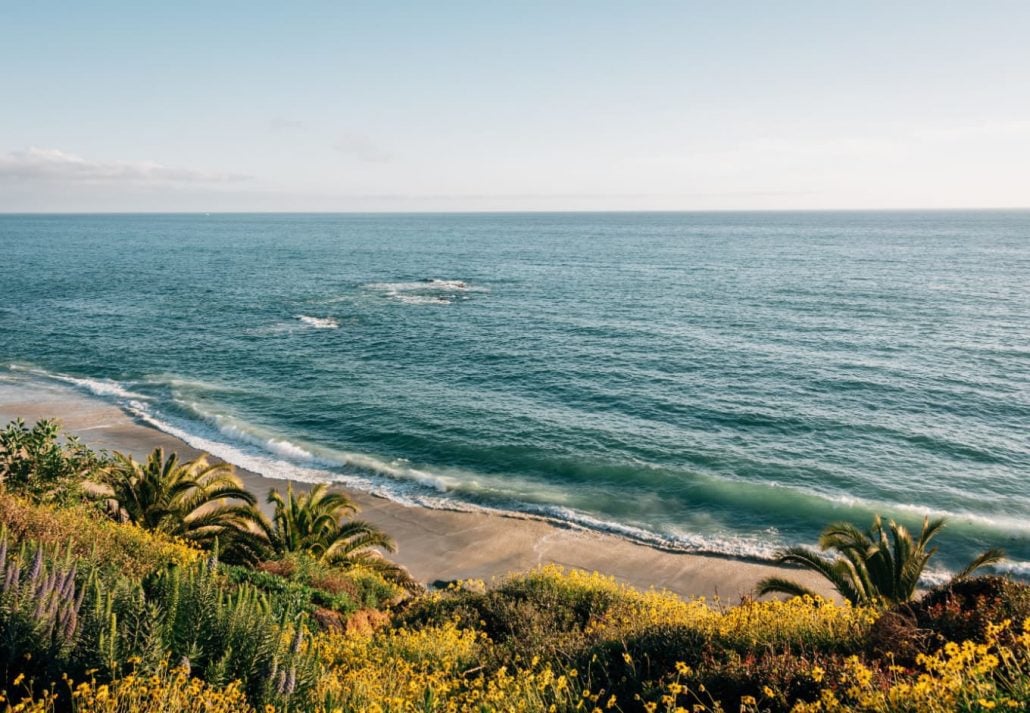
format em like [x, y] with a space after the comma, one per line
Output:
[969, 676]
[434, 669]
[607, 609]
[127, 549]
[430, 663]
[171, 691]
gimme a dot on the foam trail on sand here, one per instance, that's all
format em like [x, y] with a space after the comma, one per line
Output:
[98, 387]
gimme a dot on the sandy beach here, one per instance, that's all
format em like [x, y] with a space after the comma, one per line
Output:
[435, 545]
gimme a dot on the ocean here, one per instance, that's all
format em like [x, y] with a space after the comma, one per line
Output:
[715, 382]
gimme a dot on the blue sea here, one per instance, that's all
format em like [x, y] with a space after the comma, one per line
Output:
[716, 382]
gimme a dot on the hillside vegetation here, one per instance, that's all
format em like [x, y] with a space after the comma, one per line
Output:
[163, 594]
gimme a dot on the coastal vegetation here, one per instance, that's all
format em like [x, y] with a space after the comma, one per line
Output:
[880, 566]
[318, 523]
[198, 501]
[113, 609]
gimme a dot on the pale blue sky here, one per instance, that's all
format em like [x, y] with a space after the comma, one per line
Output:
[513, 106]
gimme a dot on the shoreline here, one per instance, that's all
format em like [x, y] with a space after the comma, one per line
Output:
[435, 545]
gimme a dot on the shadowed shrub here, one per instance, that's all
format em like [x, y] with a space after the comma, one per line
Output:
[961, 610]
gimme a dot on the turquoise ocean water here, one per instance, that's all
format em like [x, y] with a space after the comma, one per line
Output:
[715, 382]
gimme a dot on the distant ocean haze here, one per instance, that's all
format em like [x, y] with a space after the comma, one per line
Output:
[714, 382]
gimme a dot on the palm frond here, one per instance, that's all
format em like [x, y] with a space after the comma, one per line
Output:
[779, 585]
[985, 558]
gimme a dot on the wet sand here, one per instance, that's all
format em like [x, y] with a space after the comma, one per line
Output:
[434, 545]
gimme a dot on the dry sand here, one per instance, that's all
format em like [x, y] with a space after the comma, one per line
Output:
[435, 545]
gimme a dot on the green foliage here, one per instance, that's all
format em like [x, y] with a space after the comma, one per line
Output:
[512, 643]
[318, 523]
[229, 633]
[197, 501]
[881, 566]
[535, 614]
[38, 607]
[55, 620]
[310, 584]
[34, 462]
[299, 596]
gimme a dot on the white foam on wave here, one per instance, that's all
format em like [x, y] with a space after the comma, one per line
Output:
[422, 300]
[277, 459]
[99, 387]
[242, 432]
[239, 431]
[429, 285]
[270, 467]
[181, 384]
[432, 291]
[1019, 568]
[411, 486]
[746, 547]
[319, 322]
[999, 522]
[285, 448]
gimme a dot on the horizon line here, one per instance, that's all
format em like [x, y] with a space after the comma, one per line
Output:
[965, 209]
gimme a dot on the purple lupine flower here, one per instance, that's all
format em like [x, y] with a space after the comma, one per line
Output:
[47, 584]
[12, 580]
[71, 623]
[37, 567]
[67, 585]
[54, 608]
[37, 613]
[3, 554]
[291, 680]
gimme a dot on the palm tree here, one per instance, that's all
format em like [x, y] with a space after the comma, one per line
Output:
[317, 523]
[881, 566]
[198, 501]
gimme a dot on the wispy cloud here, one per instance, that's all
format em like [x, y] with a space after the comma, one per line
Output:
[36, 164]
[362, 148]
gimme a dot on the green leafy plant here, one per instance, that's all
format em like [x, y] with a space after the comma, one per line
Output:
[880, 566]
[318, 522]
[198, 501]
[36, 463]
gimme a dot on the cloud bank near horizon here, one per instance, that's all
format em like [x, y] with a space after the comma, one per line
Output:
[55, 165]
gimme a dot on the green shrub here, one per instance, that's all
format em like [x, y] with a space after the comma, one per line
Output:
[35, 463]
[62, 616]
[296, 595]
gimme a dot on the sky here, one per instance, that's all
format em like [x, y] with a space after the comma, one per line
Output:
[512, 106]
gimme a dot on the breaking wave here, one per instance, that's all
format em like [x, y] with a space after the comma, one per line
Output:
[319, 322]
[426, 292]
